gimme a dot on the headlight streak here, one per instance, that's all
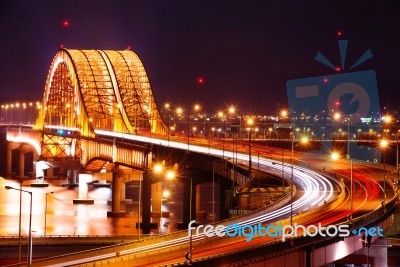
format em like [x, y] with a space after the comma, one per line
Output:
[309, 180]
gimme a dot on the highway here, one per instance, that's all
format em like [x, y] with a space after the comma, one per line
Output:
[314, 192]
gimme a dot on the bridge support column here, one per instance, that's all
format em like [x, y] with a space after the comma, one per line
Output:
[223, 206]
[116, 196]
[146, 224]
[83, 190]
[40, 166]
[10, 148]
[72, 175]
[50, 172]
[122, 194]
[156, 195]
[186, 202]
[201, 215]
[375, 255]
[124, 176]
[21, 165]
[35, 159]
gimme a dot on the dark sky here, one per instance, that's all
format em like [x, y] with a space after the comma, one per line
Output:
[245, 50]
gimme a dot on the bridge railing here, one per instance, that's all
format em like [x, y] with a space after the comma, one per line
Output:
[277, 247]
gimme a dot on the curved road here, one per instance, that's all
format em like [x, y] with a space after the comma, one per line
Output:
[317, 191]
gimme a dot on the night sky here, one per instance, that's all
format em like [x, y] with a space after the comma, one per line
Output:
[244, 50]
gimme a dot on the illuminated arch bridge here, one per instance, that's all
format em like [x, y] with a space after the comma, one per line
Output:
[88, 90]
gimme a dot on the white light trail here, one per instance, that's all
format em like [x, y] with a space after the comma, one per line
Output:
[311, 183]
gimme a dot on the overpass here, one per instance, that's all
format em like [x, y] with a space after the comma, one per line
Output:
[98, 112]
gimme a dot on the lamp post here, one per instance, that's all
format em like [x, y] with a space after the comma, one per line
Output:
[291, 181]
[348, 137]
[234, 133]
[29, 260]
[165, 194]
[45, 213]
[223, 118]
[368, 245]
[19, 219]
[190, 219]
[303, 140]
[337, 116]
[250, 123]
[140, 200]
[397, 159]
[335, 156]
[158, 169]
[351, 189]
[170, 175]
[167, 107]
[383, 144]
[179, 111]
[197, 108]
[232, 111]
[284, 114]
[213, 192]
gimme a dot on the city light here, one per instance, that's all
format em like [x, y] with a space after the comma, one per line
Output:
[309, 189]
[335, 155]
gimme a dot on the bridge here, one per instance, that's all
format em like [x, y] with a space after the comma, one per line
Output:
[98, 120]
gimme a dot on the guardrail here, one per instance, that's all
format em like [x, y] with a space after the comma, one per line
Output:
[81, 239]
[276, 247]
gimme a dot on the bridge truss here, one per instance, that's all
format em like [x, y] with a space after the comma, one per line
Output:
[88, 90]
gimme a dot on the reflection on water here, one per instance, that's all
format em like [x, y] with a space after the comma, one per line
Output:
[65, 218]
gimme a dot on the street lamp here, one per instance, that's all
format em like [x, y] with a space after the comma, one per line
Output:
[45, 213]
[383, 145]
[30, 222]
[335, 156]
[170, 176]
[337, 116]
[21, 181]
[165, 194]
[179, 111]
[223, 118]
[303, 140]
[167, 107]
[397, 159]
[197, 108]
[234, 131]
[250, 123]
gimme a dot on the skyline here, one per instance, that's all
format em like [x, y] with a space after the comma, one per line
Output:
[244, 53]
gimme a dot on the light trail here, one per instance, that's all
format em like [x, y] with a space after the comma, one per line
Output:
[318, 190]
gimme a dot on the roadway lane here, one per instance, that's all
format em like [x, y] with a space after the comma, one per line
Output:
[318, 190]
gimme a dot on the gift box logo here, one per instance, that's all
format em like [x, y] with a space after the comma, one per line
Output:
[352, 93]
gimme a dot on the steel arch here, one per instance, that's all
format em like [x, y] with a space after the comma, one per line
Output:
[89, 90]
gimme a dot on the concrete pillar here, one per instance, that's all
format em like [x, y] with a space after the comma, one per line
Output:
[201, 215]
[156, 199]
[122, 192]
[146, 203]
[222, 207]
[116, 192]
[72, 176]
[377, 253]
[21, 165]
[198, 197]
[116, 197]
[83, 190]
[50, 172]
[35, 159]
[9, 158]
